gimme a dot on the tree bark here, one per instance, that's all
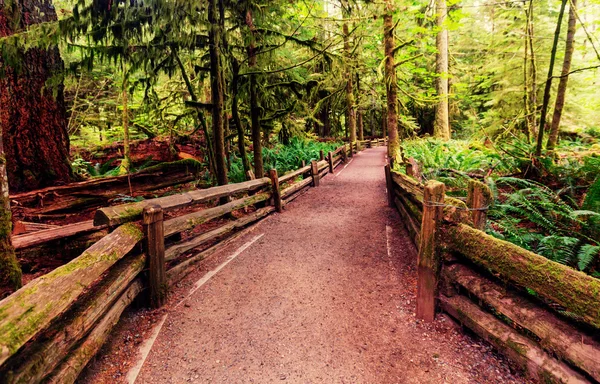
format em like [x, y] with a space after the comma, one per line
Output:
[562, 85]
[216, 84]
[547, 89]
[32, 117]
[259, 170]
[238, 122]
[533, 74]
[125, 163]
[391, 85]
[350, 107]
[359, 113]
[441, 127]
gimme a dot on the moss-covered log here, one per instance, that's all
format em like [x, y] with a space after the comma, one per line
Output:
[70, 369]
[37, 360]
[534, 362]
[574, 290]
[555, 335]
[192, 220]
[292, 189]
[130, 212]
[33, 307]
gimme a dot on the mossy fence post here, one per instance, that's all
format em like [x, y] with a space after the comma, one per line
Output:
[330, 160]
[389, 185]
[276, 192]
[428, 261]
[314, 171]
[154, 246]
[479, 197]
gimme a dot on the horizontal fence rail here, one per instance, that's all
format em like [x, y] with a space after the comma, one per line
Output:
[52, 327]
[480, 281]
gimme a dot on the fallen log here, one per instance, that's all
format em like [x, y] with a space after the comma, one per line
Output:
[47, 235]
[96, 192]
[78, 359]
[525, 353]
[180, 248]
[191, 220]
[556, 336]
[25, 227]
[574, 290]
[131, 212]
[37, 360]
[34, 306]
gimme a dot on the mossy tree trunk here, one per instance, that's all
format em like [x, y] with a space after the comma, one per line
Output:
[126, 162]
[350, 102]
[391, 86]
[564, 79]
[32, 117]
[216, 84]
[10, 271]
[259, 169]
[441, 127]
[238, 121]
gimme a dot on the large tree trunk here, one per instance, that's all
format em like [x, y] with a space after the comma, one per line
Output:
[391, 85]
[547, 89]
[359, 113]
[441, 128]
[350, 107]
[32, 118]
[216, 85]
[259, 170]
[564, 79]
[238, 121]
[10, 271]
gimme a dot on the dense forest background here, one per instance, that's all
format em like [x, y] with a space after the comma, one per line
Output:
[503, 91]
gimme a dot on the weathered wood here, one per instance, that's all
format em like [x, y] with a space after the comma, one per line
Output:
[574, 290]
[323, 173]
[154, 246]
[180, 248]
[70, 369]
[479, 198]
[292, 175]
[389, 185]
[295, 188]
[408, 184]
[178, 272]
[530, 358]
[314, 172]
[336, 163]
[131, 212]
[34, 306]
[409, 223]
[555, 335]
[191, 220]
[322, 165]
[23, 227]
[321, 155]
[36, 360]
[275, 190]
[330, 161]
[303, 163]
[47, 235]
[428, 259]
[415, 209]
[344, 154]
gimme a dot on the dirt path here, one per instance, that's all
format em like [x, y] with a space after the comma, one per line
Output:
[321, 293]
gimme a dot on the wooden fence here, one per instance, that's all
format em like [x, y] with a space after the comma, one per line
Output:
[486, 284]
[52, 327]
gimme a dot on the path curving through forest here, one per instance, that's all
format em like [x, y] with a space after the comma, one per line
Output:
[321, 293]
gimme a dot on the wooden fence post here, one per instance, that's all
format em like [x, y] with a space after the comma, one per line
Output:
[275, 186]
[428, 260]
[344, 154]
[154, 246]
[330, 159]
[351, 146]
[389, 185]
[321, 155]
[314, 170]
[409, 170]
[479, 197]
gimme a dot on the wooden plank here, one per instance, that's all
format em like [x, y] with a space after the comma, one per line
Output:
[295, 188]
[409, 223]
[428, 261]
[314, 172]
[22, 227]
[131, 212]
[408, 184]
[292, 175]
[323, 173]
[47, 235]
[389, 185]
[154, 246]
[178, 272]
[530, 358]
[322, 165]
[29, 310]
[414, 209]
[574, 290]
[68, 372]
[191, 220]
[180, 248]
[555, 335]
[275, 190]
[35, 361]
